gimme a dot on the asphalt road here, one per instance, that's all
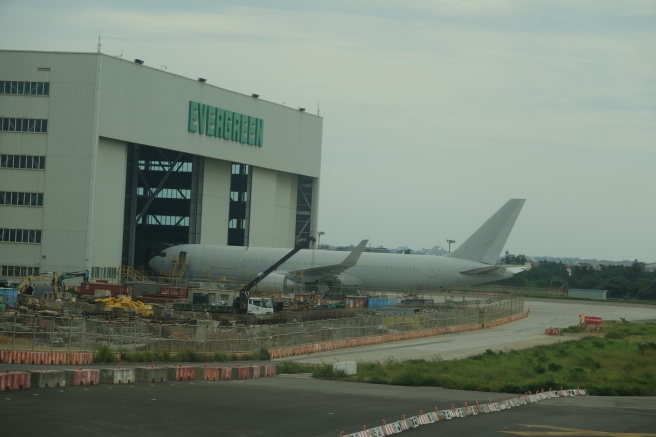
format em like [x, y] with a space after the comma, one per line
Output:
[528, 332]
[292, 407]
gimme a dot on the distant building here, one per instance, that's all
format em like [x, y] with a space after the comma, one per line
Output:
[579, 293]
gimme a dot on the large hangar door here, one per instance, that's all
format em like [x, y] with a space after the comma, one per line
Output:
[304, 207]
[161, 209]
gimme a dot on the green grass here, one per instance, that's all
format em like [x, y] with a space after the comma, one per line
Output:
[622, 363]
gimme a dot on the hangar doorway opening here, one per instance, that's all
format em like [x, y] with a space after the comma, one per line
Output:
[161, 207]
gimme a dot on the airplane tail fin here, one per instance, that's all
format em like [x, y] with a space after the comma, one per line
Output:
[485, 245]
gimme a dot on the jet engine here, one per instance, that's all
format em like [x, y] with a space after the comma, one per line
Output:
[348, 280]
[276, 281]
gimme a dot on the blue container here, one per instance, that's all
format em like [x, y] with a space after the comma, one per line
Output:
[11, 297]
[381, 302]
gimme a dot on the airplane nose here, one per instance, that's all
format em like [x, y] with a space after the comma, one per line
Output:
[152, 263]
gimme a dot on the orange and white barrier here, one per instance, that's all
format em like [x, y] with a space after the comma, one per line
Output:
[240, 372]
[422, 419]
[225, 373]
[82, 376]
[268, 370]
[210, 373]
[182, 373]
[36, 357]
[14, 380]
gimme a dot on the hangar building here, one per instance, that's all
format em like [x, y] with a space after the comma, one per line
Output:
[105, 161]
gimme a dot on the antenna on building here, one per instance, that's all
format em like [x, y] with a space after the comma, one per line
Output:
[318, 108]
[99, 33]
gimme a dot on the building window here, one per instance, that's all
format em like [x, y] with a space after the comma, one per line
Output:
[21, 199]
[18, 271]
[104, 273]
[179, 167]
[23, 161]
[16, 87]
[10, 124]
[167, 193]
[166, 220]
[20, 236]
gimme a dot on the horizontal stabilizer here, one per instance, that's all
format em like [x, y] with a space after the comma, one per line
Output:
[485, 245]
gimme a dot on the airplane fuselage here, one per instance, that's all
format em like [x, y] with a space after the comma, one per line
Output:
[373, 270]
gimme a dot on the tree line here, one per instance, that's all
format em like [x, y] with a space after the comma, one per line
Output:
[621, 281]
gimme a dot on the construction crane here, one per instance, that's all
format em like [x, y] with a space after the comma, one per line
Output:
[241, 301]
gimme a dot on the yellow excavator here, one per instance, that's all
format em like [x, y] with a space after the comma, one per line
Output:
[26, 287]
[26, 290]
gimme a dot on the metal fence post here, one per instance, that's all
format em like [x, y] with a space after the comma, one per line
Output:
[13, 340]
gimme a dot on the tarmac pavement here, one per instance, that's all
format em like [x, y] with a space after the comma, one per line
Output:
[296, 406]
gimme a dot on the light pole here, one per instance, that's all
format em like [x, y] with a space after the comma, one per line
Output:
[450, 241]
[319, 234]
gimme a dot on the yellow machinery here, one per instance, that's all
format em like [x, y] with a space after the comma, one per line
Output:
[125, 302]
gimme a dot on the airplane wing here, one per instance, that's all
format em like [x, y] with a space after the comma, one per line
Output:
[333, 269]
[433, 251]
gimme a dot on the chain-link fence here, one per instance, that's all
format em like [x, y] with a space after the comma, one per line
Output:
[76, 334]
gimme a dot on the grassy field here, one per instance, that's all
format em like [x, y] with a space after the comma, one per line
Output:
[621, 361]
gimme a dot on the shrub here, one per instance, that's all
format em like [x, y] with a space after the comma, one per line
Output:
[104, 354]
[189, 356]
[554, 367]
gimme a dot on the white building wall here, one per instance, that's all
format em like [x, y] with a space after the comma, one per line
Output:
[149, 106]
[273, 209]
[69, 175]
[216, 202]
[108, 204]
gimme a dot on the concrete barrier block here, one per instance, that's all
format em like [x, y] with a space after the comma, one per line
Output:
[267, 370]
[151, 374]
[253, 371]
[47, 378]
[6, 357]
[240, 373]
[82, 376]
[208, 373]
[181, 373]
[14, 380]
[349, 367]
[117, 376]
[225, 373]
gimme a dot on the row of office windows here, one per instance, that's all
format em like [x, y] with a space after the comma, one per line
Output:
[20, 236]
[18, 271]
[168, 193]
[10, 124]
[165, 220]
[23, 199]
[18, 87]
[23, 161]
[104, 272]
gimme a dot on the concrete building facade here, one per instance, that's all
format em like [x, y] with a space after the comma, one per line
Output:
[104, 161]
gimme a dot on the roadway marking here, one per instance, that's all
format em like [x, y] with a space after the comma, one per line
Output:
[560, 431]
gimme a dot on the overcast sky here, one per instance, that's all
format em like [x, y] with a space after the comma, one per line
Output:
[436, 112]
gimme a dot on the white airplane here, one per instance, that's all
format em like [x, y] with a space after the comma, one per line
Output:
[473, 262]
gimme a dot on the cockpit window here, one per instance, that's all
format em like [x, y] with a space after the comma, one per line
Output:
[162, 254]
